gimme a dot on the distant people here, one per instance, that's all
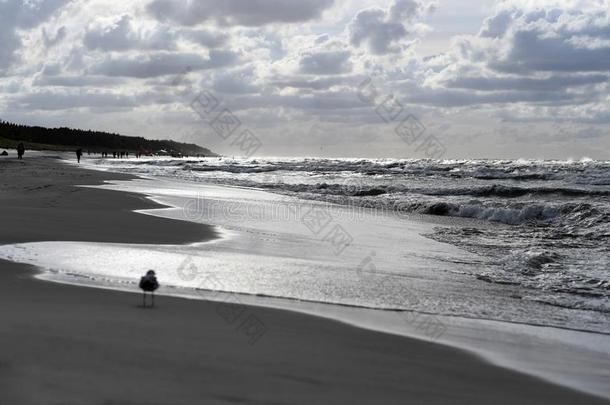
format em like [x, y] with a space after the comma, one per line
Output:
[149, 283]
[20, 150]
[114, 154]
[79, 153]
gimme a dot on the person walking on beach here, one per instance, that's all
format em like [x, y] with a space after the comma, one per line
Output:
[20, 150]
[79, 153]
[149, 283]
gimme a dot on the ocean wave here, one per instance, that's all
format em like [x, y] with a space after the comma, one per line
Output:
[569, 219]
[510, 214]
[499, 190]
[507, 215]
[585, 172]
[442, 188]
[354, 188]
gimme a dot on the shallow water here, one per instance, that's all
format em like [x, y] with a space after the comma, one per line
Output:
[558, 212]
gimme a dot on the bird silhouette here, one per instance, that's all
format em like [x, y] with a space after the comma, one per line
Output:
[149, 283]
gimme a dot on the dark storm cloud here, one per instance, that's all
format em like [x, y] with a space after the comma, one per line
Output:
[161, 64]
[326, 63]
[237, 12]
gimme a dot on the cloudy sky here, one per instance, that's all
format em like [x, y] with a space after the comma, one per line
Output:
[481, 78]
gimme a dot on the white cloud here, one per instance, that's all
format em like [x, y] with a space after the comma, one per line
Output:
[120, 35]
[205, 37]
[16, 15]
[526, 52]
[538, 38]
[52, 40]
[383, 31]
[285, 66]
[164, 63]
[326, 63]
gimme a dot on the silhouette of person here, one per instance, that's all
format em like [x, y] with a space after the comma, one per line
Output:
[149, 283]
[20, 150]
[79, 153]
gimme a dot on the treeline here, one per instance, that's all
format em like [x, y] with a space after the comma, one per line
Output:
[95, 141]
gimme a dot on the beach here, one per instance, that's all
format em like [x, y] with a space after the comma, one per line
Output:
[71, 344]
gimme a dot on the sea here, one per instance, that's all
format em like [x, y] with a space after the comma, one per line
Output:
[546, 223]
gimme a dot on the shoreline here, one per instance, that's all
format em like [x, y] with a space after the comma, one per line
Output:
[49, 277]
[388, 322]
[462, 390]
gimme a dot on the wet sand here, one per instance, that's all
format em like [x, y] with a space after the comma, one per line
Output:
[64, 344]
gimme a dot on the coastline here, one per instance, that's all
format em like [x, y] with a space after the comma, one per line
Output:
[101, 333]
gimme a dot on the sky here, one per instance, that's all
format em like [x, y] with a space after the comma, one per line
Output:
[354, 78]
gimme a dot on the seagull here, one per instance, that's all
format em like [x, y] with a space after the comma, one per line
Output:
[149, 283]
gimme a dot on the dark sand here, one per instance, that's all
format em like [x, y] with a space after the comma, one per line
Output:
[63, 344]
